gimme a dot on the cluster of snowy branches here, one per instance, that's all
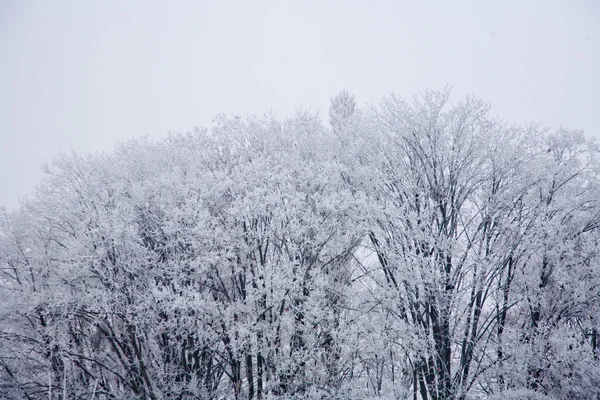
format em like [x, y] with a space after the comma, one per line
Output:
[414, 250]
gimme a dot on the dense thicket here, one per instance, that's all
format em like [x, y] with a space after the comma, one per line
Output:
[421, 250]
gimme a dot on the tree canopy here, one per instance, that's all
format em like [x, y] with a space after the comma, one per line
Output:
[418, 249]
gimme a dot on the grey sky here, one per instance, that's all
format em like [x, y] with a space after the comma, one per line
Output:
[88, 73]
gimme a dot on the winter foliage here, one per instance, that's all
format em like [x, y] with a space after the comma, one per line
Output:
[417, 249]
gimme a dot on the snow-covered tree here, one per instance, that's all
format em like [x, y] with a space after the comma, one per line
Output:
[422, 250]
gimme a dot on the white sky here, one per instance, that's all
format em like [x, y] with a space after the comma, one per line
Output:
[85, 74]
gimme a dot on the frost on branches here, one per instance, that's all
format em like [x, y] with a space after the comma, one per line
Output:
[413, 250]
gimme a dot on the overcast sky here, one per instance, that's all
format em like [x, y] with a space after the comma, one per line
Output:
[85, 74]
